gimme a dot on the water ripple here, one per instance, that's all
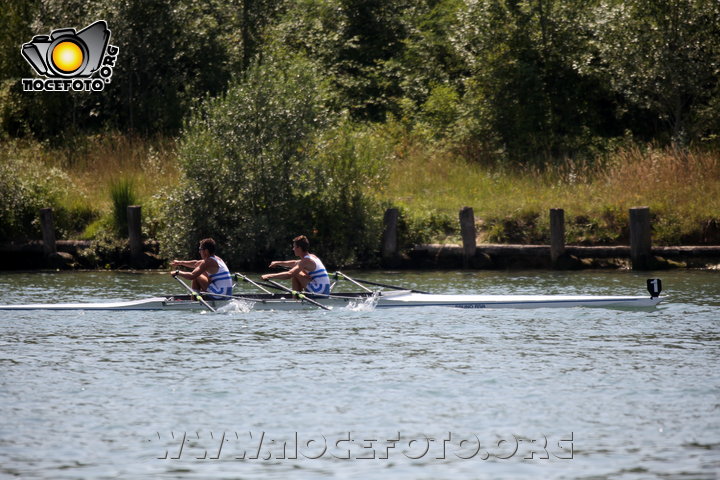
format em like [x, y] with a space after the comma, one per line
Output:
[103, 395]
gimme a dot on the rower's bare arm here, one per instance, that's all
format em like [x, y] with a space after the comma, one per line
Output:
[284, 275]
[199, 267]
[276, 276]
[185, 263]
[283, 263]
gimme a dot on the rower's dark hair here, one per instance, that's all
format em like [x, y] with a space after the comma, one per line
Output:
[302, 242]
[209, 244]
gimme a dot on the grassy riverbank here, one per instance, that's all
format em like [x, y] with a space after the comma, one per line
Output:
[77, 179]
[682, 189]
[94, 164]
[430, 185]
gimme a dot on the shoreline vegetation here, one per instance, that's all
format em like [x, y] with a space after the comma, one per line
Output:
[255, 123]
[89, 181]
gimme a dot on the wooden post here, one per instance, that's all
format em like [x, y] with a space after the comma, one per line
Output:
[557, 234]
[468, 234]
[640, 241]
[390, 238]
[48, 231]
[135, 234]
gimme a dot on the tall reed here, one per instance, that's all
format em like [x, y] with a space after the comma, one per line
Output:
[122, 193]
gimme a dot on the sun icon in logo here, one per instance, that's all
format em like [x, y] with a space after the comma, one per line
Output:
[67, 56]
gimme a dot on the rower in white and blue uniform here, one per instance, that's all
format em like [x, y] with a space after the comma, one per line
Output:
[307, 274]
[210, 274]
[220, 281]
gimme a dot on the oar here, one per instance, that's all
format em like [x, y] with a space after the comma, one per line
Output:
[367, 282]
[277, 286]
[255, 284]
[299, 295]
[193, 293]
[353, 281]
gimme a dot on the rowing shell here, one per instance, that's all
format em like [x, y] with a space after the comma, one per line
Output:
[390, 299]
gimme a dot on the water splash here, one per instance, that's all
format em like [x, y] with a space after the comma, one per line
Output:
[366, 304]
[237, 306]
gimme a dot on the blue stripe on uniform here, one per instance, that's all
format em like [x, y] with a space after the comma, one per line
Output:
[219, 291]
[319, 289]
[221, 276]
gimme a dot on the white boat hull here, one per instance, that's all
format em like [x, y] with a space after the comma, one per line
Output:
[393, 299]
[517, 301]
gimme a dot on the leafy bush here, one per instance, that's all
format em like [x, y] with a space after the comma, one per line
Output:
[347, 164]
[427, 226]
[440, 111]
[258, 171]
[26, 185]
[105, 252]
[523, 227]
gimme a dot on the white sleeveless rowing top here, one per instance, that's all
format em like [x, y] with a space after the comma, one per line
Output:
[220, 282]
[320, 283]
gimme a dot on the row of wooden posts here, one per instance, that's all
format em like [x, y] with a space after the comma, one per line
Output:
[639, 223]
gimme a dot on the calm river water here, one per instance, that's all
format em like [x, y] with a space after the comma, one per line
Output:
[400, 394]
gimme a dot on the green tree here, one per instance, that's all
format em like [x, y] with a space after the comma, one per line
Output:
[15, 29]
[525, 81]
[355, 40]
[377, 34]
[663, 57]
[429, 61]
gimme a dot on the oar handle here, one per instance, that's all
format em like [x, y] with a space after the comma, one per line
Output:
[299, 295]
[193, 293]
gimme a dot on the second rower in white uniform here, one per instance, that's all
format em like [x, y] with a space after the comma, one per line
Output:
[308, 273]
